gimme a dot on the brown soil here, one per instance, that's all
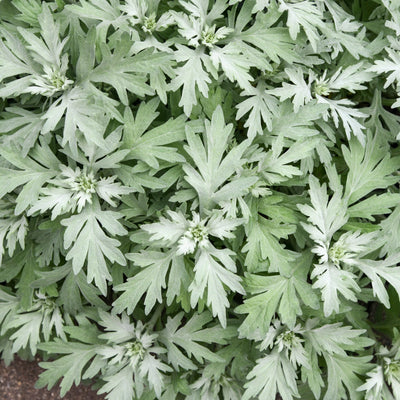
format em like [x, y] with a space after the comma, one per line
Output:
[17, 382]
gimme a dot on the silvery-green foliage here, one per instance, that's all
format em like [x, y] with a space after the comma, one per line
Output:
[199, 199]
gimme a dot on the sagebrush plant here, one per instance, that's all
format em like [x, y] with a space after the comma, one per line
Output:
[199, 199]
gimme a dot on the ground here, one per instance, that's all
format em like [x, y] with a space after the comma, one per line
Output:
[17, 383]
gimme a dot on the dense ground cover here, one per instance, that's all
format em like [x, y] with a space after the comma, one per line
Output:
[199, 199]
